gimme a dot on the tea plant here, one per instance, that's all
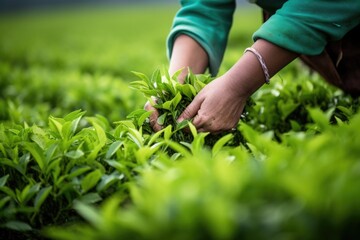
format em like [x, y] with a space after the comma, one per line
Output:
[170, 98]
[44, 170]
[304, 188]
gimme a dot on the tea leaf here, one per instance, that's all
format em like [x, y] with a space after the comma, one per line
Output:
[28, 192]
[178, 148]
[18, 226]
[113, 148]
[108, 180]
[89, 198]
[37, 153]
[89, 213]
[320, 118]
[167, 132]
[76, 171]
[143, 118]
[8, 191]
[41, 197]
[155, 136]
[75, 115]
[176, 100]
[182, 125]
[161, 119]
[136, 137]
[221, 142]
[75, 154]
[56, 126]
[3, 180]
[141, 76]
[90, 180]
[2, 149]
[100, 134]
[198, 143]
[192, 129]
[4, 200]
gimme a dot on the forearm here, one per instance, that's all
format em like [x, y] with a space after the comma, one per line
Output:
[247, 75]
[187, 53]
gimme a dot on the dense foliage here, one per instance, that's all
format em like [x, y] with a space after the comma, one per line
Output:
[78, 159]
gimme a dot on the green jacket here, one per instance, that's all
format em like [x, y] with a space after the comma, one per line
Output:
[302, 26]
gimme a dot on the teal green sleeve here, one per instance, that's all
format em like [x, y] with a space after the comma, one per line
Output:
[306, 26]
[207, 22]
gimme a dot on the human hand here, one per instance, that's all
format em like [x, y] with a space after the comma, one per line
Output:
[216, 108]
[153, 117]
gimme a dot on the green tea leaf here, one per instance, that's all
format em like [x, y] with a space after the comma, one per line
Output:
[37, 153]
[75, 154]
[8, 191]
[75, 115]
[89, 213]
[348, 112]
[56, 126]
[141, 76]
[136, 114]
[136, 137]
[198, 142]
[154, 137]
[192, 129]
[100, 134]
[41, 197]
[178, 148]
[320, 118]
[89, 198]
[78, 171]
[221, 142]
[176, 100]
[28, 192]
[90, 180]
[3, 180]
[18, 226]
[161, 119]
[182, 125]
[143, 117]
[167, 105]
[168, 132]
[108, 180]
[113, 149]
[4, 200]
[2, 149]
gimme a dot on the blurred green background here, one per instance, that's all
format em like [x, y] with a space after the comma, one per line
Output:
[60, 59]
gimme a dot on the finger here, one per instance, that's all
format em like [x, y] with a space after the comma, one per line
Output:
[208, 129]
[148, 106]
[211, 128]
[191, 110]
[197, 121]
[153, 121]
[201, 130]
[153, 117]
[201, 121]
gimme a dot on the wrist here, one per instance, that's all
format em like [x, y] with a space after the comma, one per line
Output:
[187, 53]
[246, 76]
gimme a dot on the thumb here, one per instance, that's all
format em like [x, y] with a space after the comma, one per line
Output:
[191, 110]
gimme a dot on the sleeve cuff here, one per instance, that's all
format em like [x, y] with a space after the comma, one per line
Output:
[279, 30]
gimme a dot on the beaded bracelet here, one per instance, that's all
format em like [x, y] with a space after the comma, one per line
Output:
[262, 63]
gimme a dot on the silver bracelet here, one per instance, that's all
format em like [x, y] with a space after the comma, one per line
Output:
[262, 63]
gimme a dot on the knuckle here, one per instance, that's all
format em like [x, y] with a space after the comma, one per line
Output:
[186, 113]
[147, 106]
